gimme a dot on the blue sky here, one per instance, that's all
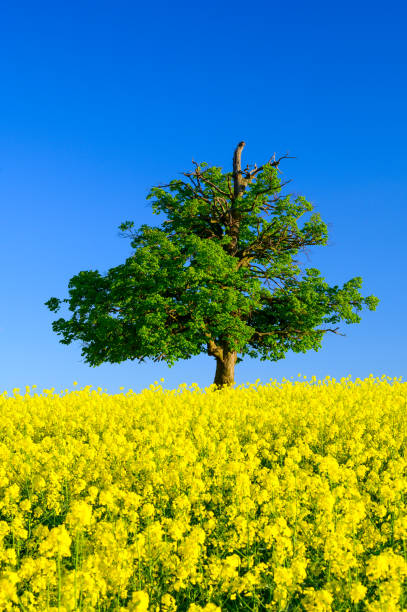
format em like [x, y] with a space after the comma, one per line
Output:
[100, 101]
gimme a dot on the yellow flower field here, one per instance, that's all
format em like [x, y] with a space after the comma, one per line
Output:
[278, 497]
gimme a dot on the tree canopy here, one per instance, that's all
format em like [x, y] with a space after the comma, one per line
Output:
[215, 277]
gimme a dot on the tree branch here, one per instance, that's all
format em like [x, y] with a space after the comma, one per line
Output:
[297, 331]
[272, 188]
[274, 163]
[230, 186]
[200, 175]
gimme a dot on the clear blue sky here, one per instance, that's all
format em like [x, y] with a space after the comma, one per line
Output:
[100, 101]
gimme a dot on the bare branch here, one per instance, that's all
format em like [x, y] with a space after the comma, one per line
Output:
[169, 184]
[297, 331]
[274, 163]
[200, 175]
[272, 188]
[230, 186]
[219, 202]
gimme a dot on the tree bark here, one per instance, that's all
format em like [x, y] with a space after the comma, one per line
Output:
[225, 369]
[239, 186]
[225, 363]
[238, 183]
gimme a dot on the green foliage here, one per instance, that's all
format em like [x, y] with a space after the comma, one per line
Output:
[186, 283]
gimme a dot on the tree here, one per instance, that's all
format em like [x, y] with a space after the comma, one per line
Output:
[216, 277]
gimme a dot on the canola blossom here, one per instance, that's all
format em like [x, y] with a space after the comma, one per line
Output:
[275, 497]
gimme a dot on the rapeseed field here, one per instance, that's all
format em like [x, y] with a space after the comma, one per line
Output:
[279, 497]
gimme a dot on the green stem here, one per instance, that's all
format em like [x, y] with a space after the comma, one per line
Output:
[59, 581]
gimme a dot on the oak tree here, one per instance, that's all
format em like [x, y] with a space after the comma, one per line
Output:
[215, 277]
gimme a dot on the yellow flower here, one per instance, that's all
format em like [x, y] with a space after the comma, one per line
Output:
[283, 576]
[28, 568]
[80, 515]
[93, 492]
[317, 601]
[176, 529]
[168, 603]
[217, 461]
[229, 566]
[25, 505]
[78, 486]
[377, 567]
[18, 529]
[357, 592]
[4, 529]
[10, 554]
[57, 543]
[8, 590]
[147, 510]
[106, 499]
[139, 602]
[13, 492]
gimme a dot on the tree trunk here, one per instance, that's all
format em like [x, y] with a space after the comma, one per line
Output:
[239, 186]
[238, 183]
[225, 369]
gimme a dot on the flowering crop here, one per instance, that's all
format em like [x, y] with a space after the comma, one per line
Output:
[276, 497]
